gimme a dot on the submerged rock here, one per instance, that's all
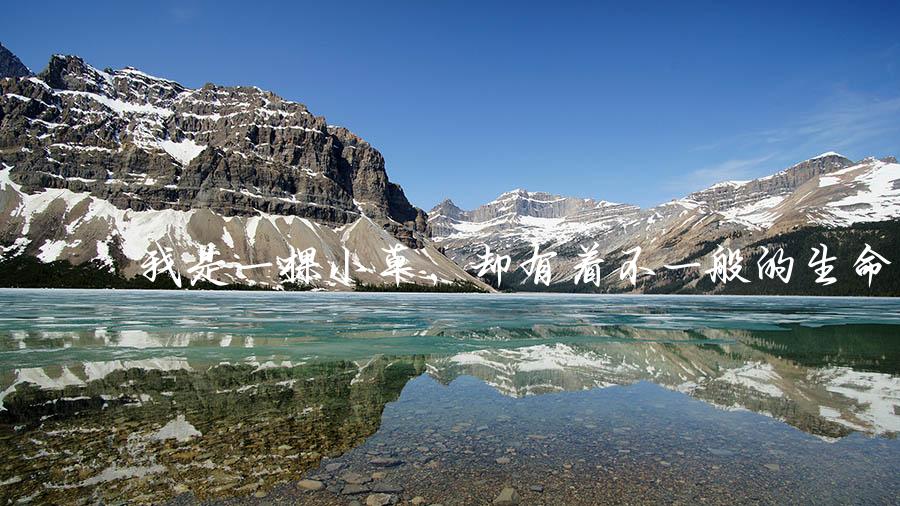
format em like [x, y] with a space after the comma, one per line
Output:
[387, 487]
[385, 462]
[334, 466]
[355, 478]
[379, 500]
[508, 497]
[311, 485]
[353, 489]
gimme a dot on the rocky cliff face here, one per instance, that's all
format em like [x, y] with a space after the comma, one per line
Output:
[145, 143]
[108, 166]
[828, 190]
[735, 194]
[11, 65]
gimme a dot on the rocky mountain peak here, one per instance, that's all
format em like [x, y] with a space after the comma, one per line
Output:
[730, 194]
[11, 65]
[69, 72]
[145, 142]
[515, 193]
[828, 161]
[109, 169]
[521, 202]
[447, 209]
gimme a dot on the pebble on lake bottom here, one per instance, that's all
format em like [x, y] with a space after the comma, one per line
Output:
[508, 497]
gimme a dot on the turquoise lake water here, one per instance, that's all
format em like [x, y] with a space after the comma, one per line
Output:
[235, 396]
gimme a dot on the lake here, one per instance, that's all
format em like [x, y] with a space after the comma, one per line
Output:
[330, 398]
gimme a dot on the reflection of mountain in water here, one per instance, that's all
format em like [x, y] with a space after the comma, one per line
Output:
[146, 430]
[735, 370]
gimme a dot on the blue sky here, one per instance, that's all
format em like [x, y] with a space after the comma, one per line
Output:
[625, 101]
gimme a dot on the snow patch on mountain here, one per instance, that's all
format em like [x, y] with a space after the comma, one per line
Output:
[184, 151]
[877, 197]
[728, 184]
[758, 215]
[259, 240]
[121, 107]
[826, 155]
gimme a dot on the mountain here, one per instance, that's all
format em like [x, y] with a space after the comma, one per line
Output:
[539, 216]
[827, 192]
[121, 169]
[11, 65]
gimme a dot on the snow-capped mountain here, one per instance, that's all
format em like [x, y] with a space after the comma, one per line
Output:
[828, 190]
[117, 166]
[522, 216]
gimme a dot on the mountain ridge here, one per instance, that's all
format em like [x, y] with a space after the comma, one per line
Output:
[826, 190]
[122, 170]
[114, 166]
[259, 151]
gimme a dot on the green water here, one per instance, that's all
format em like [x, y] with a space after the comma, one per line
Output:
[192, 396]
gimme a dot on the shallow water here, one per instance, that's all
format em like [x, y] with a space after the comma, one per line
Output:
[211, 396]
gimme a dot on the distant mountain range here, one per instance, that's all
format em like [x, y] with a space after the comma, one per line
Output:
[125, 175]
[826, 193]
[124, 171]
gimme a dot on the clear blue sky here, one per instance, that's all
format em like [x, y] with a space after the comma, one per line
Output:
[630, 103]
